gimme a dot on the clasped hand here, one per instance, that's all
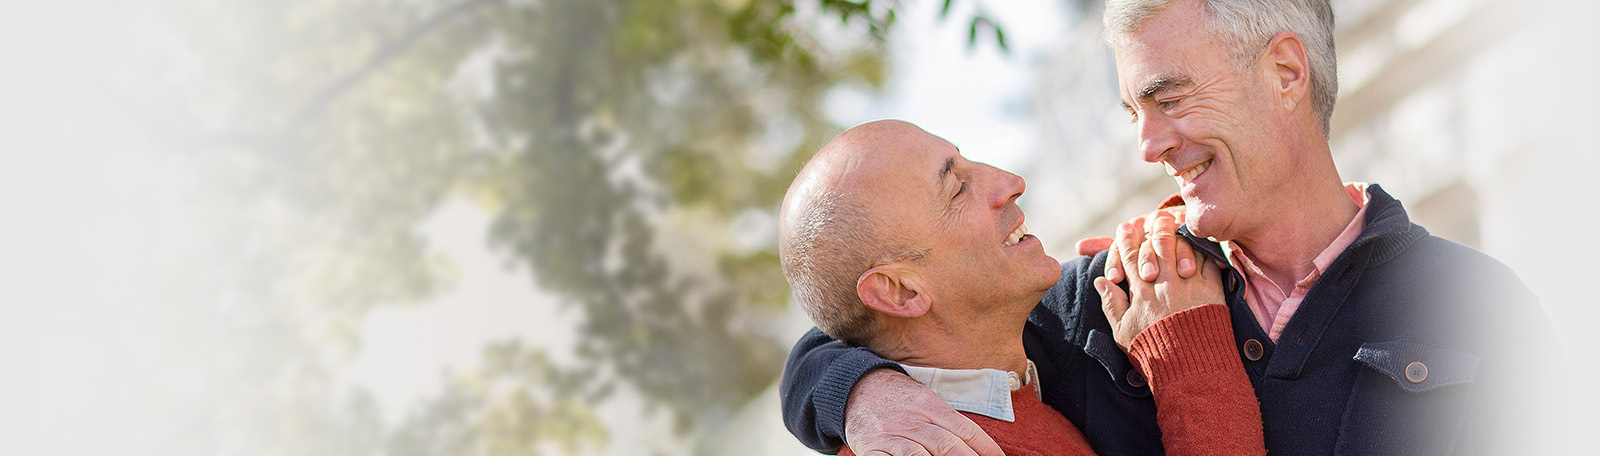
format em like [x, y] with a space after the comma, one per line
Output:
[1168, 279]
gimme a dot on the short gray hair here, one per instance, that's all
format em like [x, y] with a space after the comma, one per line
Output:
[825, 248]
[1245, 27]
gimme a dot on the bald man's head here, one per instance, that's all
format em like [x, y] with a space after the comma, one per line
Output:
[889, 234]
[828, 234]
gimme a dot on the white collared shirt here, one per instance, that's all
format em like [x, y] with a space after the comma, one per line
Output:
[985, 392]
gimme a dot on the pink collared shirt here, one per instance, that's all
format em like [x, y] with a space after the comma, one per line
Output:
[1271, 302]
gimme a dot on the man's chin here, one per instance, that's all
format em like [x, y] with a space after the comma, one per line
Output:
[1049, 279]
[1201, 222]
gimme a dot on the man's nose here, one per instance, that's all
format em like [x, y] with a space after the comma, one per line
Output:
[1008, 187]
[1156, 137]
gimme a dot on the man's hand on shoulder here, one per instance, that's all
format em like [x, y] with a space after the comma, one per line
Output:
[891, 414]
[1159, 289]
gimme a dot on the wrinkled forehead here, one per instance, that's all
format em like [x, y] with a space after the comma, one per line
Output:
[1147, 58]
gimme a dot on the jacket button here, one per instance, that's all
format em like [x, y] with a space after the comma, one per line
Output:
[1136, 379]
[1252, 350]
[1416, 372]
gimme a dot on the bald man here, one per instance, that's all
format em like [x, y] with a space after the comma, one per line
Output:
[895, 243]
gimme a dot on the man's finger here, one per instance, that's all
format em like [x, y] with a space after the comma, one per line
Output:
[1146, 262]
[1179, 213]
[969, 439]
[1187, 259]
[1149, 266]
[1091, 246]
[1113, 302]
[1164, 237]
[1129, 237]
[950, 445]
[1114, 265]
[899, 447]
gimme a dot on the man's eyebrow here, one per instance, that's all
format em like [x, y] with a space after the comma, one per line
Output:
[949, 163]
[1161, 84]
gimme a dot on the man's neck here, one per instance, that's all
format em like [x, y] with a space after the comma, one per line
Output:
[976, 346]
[1292, 236]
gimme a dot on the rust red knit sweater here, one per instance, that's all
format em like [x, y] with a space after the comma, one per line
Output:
[1204, 402]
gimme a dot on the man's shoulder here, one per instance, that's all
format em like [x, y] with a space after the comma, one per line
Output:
[1038, 429]
[1462, 264]
[1453, 291]
[1081, 270]
[1392, 241]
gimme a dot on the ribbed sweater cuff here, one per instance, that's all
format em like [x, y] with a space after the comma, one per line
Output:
[833, 389]
[1194, 341]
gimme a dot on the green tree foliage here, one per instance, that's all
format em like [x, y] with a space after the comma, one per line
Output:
[623, 147]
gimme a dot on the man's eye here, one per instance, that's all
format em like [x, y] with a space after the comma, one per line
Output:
[961, 189]
[1133, 117]
[1169, 104]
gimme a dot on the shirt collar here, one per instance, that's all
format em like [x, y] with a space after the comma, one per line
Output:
[985, 392]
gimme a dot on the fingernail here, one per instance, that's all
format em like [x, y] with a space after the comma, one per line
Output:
[1149, 269]
[1099, 287]
[1185, 263]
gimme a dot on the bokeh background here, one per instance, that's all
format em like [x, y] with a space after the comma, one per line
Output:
[497, 227]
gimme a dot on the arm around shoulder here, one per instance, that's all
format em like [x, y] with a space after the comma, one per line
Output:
[816, 385]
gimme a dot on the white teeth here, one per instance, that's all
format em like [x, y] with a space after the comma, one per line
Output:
[1195, 171]
[1016, 236]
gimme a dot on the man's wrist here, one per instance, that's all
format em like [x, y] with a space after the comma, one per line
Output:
[1194, 340]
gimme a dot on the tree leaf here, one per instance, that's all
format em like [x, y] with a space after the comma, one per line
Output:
[972, 33]
[1000, 38]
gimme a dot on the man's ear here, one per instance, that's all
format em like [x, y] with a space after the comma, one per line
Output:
[894, 290]
[1290, 69]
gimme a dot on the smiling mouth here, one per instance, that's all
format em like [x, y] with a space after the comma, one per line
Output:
[1189, 175]
[1016, 236]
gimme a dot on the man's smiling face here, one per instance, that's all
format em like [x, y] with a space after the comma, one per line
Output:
[964, 214]
[1210, 123]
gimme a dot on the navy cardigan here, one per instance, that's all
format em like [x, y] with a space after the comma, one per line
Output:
[1407, 344]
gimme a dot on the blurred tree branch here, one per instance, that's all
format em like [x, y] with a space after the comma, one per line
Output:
[389, 50]
[617, 146]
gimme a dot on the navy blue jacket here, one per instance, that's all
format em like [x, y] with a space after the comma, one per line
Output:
[1407, 344]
